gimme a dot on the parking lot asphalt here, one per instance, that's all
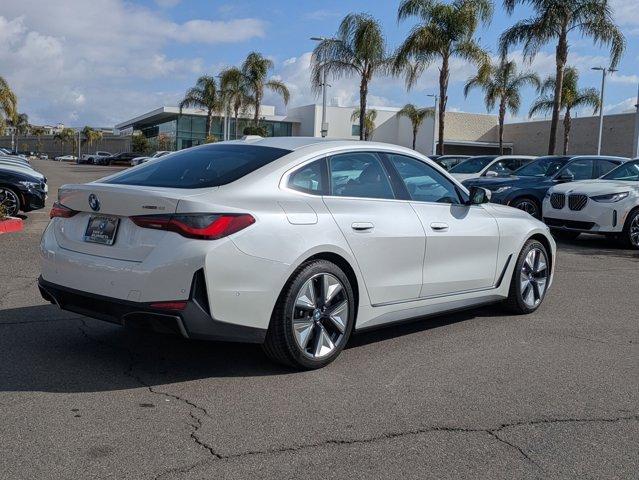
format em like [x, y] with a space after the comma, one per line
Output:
[477, 394]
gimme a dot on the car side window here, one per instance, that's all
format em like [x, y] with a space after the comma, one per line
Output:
[423, 182]
[580, 169]
[604, 166]
[359, 174]
[308, 179]
[505, 166]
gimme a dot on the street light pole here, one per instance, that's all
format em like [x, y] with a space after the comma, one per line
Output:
[324, 128]
[435, 97]
[604, 71]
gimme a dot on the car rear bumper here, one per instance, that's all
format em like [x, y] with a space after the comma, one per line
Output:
[194, 321]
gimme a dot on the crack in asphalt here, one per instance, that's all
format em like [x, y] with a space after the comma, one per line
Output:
[198, 412]
[197, 420]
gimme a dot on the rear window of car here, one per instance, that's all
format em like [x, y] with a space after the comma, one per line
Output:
[200, 167]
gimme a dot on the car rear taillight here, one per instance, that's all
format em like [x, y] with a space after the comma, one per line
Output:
[61, 211]
[203, 226]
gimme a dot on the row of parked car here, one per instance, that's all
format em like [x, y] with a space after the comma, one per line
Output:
[106, 158]
[571, 194]
[22, 188]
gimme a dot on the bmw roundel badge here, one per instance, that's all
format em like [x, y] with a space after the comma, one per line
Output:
[94, 202]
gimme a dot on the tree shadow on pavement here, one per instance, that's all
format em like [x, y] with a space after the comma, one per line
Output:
[596, 245]
[46, 349]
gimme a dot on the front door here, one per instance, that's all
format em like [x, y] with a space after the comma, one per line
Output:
[462, 241]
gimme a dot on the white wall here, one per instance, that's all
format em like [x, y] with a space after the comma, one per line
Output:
[388, 127]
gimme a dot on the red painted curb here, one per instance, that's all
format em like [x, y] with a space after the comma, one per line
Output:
[10, 224]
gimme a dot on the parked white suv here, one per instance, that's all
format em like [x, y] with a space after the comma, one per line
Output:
[96, 158]
[608, 205]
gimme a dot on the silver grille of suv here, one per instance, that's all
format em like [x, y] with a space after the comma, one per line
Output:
[558, 200]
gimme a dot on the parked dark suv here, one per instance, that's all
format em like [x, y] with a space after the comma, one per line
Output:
[526, 187]
[122, 157]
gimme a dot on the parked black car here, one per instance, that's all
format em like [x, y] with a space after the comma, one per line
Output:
[526, 187]
[449, 161]
[21, 191]
[124, 157]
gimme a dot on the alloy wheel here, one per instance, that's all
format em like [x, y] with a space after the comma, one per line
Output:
[634, 230]
[527, 206]
[320, 315]
[9, 200]
[533, 277]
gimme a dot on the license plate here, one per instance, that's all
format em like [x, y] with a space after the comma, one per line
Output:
[101, 229]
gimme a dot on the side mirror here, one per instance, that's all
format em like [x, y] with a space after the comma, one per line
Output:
[491, 173]
[566, 177]
[478, 195]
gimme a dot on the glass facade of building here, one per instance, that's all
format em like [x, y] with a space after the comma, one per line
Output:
[189, 130]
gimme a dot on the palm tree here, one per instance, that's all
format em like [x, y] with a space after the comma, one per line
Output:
[501, 85]
[359, 48]
[65, 136]
[38, 132]
[20, 124]
[571, 97]
[91, 135]
[255, 72]
[234, 92]
[557, 19]
[416, 116]
[8, 103]
[204, 95]
[444, 31]
[369, 122]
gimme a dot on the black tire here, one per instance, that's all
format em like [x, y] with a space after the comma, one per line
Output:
[527, 204]
[515, 302]
[564, 234]
[629, 237]
[16, 205]
[280, 344]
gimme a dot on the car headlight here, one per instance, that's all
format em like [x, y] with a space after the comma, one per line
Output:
[502, 189]
[28, 184]
[610, 198]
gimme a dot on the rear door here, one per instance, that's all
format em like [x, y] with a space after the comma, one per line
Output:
[462, 241]
[384, 233]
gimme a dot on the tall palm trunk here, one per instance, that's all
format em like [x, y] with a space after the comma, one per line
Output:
[444, 74]
[363, 94]
[258, 102]
[237, 114]
[209, 121]
[561, 59]
[567, 125]
[502, 117]
[414, 136]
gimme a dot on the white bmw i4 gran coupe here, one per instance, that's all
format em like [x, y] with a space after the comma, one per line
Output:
[292, 242]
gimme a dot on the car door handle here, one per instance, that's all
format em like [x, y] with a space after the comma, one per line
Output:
[439, 226]
[361, 226]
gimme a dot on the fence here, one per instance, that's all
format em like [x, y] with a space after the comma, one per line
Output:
[47, 144]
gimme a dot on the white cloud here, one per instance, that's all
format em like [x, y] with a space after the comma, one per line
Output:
[626, 79]
[98, 61]
[321, 14]
[626, 13]
[627, 105]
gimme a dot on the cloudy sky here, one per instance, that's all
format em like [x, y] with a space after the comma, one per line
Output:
[100, 62]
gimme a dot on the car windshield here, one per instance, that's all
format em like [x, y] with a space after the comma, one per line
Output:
[473, 164]
[628, 172]
[200, 167]
[542, 167]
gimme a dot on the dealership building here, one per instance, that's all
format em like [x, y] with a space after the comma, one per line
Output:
[465, 133]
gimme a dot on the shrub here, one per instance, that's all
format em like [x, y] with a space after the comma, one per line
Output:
[256, 130]
[3, 212]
